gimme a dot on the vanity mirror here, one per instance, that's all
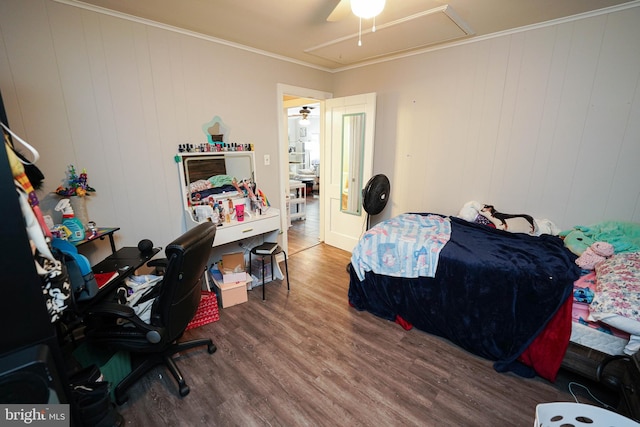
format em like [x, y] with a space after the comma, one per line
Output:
[215, 182]
[207, 179]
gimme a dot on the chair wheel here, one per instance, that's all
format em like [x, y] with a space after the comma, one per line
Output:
[211, 348]
[184, 390]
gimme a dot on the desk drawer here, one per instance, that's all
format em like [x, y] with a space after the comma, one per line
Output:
[235, 231]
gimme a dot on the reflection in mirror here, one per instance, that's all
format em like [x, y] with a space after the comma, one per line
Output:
[351, 168]
[216, 175]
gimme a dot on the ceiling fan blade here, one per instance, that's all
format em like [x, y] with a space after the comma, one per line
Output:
[340, 12]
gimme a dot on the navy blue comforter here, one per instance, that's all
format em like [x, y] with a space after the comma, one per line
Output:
[492, 294]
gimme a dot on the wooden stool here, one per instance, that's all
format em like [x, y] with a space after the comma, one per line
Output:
[272, 254]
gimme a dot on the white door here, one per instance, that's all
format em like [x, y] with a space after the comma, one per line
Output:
[343, 228]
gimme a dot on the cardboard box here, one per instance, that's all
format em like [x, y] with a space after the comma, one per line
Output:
[233, 268]
[231, 294]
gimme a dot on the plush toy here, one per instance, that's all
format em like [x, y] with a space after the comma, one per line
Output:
[594, 254]
[584, 295]
[576, 241]
[515, 223]
[624, 236]
[470, 211]
[480, 213]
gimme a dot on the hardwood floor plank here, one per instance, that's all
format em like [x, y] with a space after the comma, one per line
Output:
[306, 358]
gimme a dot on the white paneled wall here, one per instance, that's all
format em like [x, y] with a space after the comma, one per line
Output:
[544, 121]
[116, 97]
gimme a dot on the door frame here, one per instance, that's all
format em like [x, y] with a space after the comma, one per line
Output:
[283, 149]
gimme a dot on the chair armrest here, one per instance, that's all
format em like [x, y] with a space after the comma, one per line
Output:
[119, 311]
[112, 309]
[116, 311]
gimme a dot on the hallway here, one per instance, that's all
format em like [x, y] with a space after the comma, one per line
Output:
[303, 234]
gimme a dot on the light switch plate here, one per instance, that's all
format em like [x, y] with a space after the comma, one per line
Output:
[267, 160]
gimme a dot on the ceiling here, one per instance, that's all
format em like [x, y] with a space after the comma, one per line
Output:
[298, 30]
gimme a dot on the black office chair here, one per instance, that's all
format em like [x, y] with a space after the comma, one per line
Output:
[178, 296]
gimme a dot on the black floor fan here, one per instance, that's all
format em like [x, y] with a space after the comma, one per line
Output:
[375, 196]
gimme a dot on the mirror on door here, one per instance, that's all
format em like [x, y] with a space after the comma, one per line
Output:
[351, 165]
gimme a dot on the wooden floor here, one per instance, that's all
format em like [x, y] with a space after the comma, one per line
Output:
[306, 358]
[304, 233]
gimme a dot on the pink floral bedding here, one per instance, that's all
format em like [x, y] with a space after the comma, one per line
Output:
[583, 293]
[618, 286]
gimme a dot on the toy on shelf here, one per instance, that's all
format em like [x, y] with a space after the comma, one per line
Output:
[73, 224]
[77, 185]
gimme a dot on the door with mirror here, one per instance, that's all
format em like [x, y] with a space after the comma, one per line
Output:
[348, 156]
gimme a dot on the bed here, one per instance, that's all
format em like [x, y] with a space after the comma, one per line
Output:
[504, 296]
[606, 300]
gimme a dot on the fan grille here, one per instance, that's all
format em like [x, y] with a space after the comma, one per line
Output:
[375, 194]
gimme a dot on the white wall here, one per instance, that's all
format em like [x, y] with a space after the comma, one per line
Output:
[545, 121]
[117, 97]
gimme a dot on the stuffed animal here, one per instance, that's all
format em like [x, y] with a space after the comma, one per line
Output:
[576, 241]
[486, 215]
[470, 211]
[594, 254]
[515, 223]
[584, 295]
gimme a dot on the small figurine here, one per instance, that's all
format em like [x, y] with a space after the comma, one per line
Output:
[93, 230]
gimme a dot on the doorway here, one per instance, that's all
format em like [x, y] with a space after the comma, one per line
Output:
[303, 149]
[335, 227]
[287, 97]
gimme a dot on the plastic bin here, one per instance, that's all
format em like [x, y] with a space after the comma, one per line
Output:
[568, 414]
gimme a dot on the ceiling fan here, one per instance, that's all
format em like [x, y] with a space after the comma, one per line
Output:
[304, 113]
[361, 8]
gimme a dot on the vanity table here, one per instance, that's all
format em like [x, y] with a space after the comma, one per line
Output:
[196, 167]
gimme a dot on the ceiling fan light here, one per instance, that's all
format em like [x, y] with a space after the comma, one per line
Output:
[367, 8]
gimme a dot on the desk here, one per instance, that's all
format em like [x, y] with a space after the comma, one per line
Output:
[101, 234]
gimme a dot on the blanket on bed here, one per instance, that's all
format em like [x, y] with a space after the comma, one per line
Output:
[404, 246]
[492, 294]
